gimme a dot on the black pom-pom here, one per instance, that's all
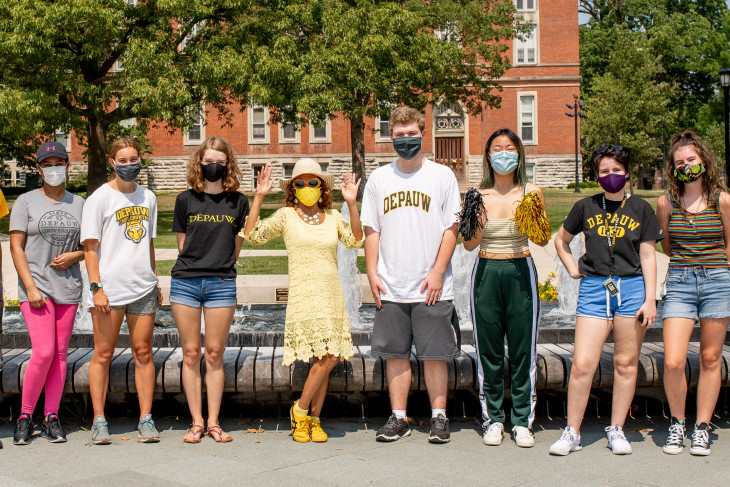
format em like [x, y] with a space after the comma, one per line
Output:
[469, 214]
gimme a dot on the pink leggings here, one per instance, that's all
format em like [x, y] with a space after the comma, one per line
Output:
[50, 330]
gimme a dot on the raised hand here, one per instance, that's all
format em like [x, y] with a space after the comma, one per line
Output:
[264, 181]
[349, 187]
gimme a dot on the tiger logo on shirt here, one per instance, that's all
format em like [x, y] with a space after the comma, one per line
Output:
[134, 217]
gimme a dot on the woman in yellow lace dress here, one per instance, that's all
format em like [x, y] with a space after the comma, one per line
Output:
[317, 325]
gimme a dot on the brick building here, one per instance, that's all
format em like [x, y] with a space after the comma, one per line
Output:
[544, 77]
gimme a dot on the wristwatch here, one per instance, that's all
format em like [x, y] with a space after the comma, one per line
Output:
[95, 286]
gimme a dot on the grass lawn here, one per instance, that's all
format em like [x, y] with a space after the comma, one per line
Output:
[253, 265]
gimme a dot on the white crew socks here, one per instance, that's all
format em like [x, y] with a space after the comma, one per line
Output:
[436, 412]
[400, 413]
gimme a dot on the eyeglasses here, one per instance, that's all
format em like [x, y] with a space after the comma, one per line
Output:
[312, 183]
[604, 148]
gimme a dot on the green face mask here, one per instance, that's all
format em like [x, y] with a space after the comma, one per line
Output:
[308, 196]
[689, 173]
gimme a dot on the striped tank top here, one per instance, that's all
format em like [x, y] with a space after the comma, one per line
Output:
[697, 239]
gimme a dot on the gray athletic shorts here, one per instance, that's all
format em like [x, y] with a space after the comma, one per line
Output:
[146, 305]
[432, 329]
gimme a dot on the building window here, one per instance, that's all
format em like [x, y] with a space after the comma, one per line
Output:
[530, 172]
[325, 167]
[193, 32]
[525, 5]
[320, 134]
[448, 32]
[196, 132]
[288, 171]
[256, 169]
[258, 133]
[382, 128]
[63, 138]
[527, 117]
[289, 132]
[526, 49]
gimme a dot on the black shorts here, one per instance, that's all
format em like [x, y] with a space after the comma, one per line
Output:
[432, 329]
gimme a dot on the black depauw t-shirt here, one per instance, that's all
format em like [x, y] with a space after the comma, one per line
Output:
[210, 223]
[637, 223]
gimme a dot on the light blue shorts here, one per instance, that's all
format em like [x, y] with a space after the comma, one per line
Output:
[697, 292]
[203, 292]
[594, 300]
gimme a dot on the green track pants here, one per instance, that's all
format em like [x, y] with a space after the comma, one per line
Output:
[505, 302]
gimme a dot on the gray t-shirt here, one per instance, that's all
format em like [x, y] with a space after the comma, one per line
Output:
[51, 228]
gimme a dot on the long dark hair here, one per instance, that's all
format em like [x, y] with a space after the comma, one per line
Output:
[487, 171]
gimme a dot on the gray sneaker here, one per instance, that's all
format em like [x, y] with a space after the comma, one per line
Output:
[146, 431]
[100, 432]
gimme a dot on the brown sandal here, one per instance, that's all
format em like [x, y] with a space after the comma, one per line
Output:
[218, 432]
[197, 432]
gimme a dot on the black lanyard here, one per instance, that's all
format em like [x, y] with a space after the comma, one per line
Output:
[612, 240]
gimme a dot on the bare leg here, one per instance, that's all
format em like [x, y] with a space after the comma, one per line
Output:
[590, 335]
[316, 386]
[187, 320]
[217, 325]
[712, 339]
[398, 372]
[106, 332]
[140, 337]
[677, 332]
[437, 381]
[628, 334]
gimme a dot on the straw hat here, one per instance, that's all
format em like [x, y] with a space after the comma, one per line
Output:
[307, 166]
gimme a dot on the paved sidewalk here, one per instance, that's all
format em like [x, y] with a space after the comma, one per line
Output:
[353, 458]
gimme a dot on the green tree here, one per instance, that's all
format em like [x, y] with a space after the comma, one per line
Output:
[362, 57]
[627, 105]
[60, 60]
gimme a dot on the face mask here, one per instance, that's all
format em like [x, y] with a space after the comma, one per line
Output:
[407, 147]
[504, 162]
[689, 173]
[308, 196]
[54, 175]
[612, 183]
[213, 172]
[128, 172]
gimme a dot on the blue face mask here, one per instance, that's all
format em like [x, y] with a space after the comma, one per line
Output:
[407, 147]
[504, 162]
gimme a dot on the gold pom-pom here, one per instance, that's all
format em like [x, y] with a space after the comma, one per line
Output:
[531, 219]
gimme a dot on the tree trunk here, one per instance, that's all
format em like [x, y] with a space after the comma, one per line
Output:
[97, 156]
[357, 136]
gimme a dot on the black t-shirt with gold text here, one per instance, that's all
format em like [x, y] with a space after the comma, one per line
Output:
[637, 223]
[210, 223]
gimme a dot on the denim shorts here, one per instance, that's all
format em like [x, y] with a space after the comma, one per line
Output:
[146, 305]
[697, 292]
[594, 300]
[203, 292]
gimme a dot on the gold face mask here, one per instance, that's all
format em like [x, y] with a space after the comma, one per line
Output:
[308, 196]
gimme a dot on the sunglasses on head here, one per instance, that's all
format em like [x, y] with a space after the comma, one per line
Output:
[312, 183]
[604, 148]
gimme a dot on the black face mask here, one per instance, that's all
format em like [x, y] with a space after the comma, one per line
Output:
[213, 172]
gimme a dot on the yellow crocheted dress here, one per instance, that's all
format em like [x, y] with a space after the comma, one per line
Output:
[316, 316]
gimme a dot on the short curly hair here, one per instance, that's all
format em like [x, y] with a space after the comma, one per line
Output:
[231, 180]
[619, 153]
[290, 197]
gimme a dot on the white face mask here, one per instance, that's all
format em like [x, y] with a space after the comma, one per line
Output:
[54, 175]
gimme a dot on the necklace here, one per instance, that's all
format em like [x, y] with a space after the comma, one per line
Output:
[312, 220]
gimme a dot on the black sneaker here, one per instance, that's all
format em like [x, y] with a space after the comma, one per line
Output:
[23, 430]
[52, 430]
[700, 440]
[440, 432]
[394, 429]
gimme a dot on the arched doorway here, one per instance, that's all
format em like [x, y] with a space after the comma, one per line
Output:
[449, 137]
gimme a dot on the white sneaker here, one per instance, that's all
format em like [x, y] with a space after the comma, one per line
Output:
[494, 434]
[523, 437]
[617, 441]
[569, 441]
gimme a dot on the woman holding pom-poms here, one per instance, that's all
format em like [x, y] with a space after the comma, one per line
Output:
[499, 219]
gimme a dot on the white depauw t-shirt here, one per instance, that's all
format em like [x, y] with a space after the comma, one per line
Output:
[124, 224]
[411, 213]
